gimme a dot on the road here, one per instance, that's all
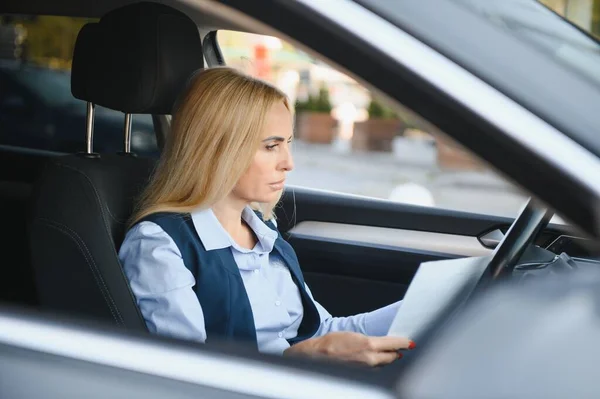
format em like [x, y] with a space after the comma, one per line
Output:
[383, 175]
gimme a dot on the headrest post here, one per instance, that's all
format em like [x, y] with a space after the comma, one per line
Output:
[89, 129]
[127, 129]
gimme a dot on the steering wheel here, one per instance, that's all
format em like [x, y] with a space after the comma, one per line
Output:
[533, 218]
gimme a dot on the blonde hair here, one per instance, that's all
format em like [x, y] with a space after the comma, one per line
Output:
[214, 136]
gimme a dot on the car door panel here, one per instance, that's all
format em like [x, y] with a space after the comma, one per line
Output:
[442, 243]
[353, 277]
[359, 253]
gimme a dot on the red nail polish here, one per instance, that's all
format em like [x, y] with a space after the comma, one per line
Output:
[412, 345]
[400, 355]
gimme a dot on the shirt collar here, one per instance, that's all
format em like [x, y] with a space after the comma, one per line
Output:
[214, 236]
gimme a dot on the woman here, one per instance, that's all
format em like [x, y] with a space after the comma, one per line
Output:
[203, 256]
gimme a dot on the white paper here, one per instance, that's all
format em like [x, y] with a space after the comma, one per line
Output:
[435, 285]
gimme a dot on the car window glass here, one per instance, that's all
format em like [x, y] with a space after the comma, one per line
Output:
[40, 112]
[52, 86]
[349, 140]
[12, 103]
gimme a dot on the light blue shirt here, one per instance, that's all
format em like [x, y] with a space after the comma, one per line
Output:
[163, 285]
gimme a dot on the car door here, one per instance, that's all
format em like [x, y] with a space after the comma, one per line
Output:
[360, 253]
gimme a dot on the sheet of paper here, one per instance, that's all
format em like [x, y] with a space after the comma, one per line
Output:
[435, 285]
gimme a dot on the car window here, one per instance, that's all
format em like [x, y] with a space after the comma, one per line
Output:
[13, 103]
[37, 109]
[349, 140]
[52, 86]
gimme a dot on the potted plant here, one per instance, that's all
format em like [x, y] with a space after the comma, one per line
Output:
[451, 155]
[314, 122]
[384, 126]
[377, 132]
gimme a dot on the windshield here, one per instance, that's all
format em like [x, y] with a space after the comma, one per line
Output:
[585, 14]
[530, 21]
[521, 48]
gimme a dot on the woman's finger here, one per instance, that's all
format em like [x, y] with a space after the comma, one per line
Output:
[374, 359]
[384, 344]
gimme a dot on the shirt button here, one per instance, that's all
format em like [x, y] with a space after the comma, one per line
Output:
[255, 270]
[280, 334]
[277, 303]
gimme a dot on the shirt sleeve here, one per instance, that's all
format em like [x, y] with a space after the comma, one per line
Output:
[161, 283]
[375, 323]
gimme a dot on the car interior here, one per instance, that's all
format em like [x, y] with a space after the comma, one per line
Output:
[66, 215]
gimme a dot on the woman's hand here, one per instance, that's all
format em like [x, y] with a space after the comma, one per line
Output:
[353, 347]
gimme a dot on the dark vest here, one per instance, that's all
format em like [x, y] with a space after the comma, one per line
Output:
[219, 285]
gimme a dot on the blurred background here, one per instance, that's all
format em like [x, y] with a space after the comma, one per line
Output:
[347, 139]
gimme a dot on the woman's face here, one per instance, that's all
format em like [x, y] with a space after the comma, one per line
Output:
[265, 178]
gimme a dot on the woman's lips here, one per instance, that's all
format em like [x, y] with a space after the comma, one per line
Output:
[278, 185]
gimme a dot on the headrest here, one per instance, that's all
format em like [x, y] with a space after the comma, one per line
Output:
[137, 59]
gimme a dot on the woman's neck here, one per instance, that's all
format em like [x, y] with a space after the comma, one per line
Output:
[229, 213]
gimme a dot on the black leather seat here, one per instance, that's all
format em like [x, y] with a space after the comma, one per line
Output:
[136, 60]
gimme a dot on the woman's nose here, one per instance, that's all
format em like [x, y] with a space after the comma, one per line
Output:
[288, 161]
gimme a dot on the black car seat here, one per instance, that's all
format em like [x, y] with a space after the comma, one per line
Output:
[136, 59]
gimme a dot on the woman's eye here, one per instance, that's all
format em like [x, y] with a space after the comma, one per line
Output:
[271, 147]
